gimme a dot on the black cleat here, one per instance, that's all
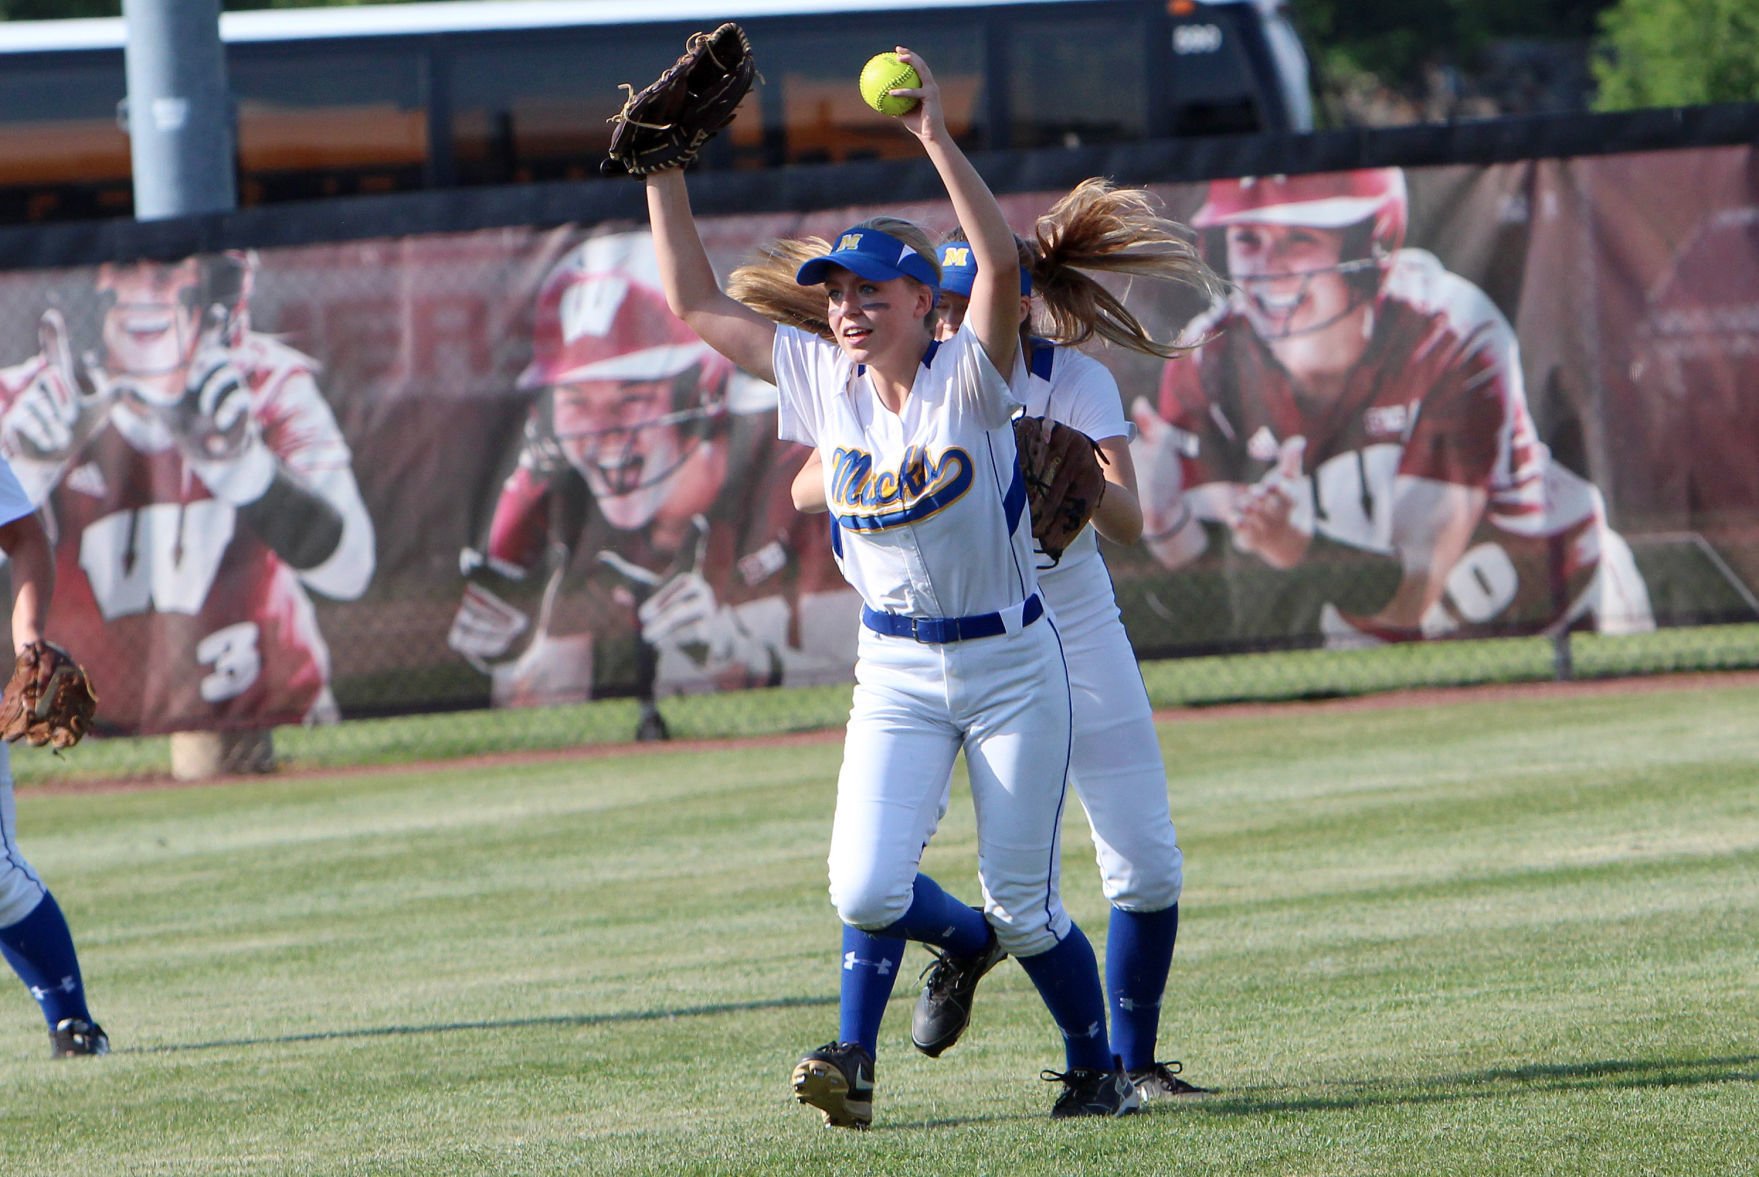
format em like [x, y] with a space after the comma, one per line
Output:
[73, 1037]
[1093, 1093]
[944, 1008]
[1161, 1081]
[837, 1079]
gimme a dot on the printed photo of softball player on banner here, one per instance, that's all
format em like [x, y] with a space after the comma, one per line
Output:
[1351, 448]
[200, 493]
[645, 534]
[1432, 405]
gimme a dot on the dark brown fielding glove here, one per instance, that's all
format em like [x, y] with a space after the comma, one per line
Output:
[1064, 480]
[664, 125]
[48, 700]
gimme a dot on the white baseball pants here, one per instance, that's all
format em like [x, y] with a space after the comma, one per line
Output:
[1003, 700]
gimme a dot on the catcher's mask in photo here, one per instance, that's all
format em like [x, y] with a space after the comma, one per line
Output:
[153, 314]
[632, 392]
[1279, 239]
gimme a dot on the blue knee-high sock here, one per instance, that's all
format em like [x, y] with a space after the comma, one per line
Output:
[870, 968]
[935, 917]
[40, 950]
[1067, 978]
[1138, 955]
[871, 959]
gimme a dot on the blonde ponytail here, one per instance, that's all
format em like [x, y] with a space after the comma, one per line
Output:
[1100, 228]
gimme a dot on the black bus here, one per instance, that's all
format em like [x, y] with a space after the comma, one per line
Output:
[381, 98]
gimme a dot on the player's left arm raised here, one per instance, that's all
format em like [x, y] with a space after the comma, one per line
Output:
[994, 311]
[308, 508]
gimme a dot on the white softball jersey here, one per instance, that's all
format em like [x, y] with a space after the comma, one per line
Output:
[928, 503]
[956, 651]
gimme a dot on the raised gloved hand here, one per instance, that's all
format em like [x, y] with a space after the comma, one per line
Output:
[684, 614]
[213, 421]
[664, 124]
[1270, 518]
[214, 426]
[1160, 474]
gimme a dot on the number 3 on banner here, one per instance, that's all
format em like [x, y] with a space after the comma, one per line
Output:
[232, 651]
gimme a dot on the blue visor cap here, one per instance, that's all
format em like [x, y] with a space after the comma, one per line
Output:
[959, 270]
[873, 255]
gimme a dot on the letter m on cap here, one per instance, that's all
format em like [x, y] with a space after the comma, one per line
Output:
[956, 256]
[848, 241]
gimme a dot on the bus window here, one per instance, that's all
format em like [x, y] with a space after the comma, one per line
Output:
[381, 97]
[325, 120]
[62, 152]
[1077, 78]
[536, 108]
[823, 117]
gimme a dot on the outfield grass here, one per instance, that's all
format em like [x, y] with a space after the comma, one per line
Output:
[1488, 938]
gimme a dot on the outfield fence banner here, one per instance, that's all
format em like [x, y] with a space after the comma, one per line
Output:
[380, 476]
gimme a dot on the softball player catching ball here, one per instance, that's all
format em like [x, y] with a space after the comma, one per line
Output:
[1116, 767]
[956, 650]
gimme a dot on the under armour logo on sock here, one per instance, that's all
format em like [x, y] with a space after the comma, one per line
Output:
[1092, 1031]
[67, 985]
[1129, 1005]
[881, 966]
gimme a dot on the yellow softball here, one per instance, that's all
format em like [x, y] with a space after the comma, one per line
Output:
[884, 72]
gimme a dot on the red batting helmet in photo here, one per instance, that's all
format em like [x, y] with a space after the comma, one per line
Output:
[607, 326]
[1323, 200]
[1369, 201]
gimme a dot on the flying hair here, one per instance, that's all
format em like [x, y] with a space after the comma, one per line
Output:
[766, 285]
[1099, 228]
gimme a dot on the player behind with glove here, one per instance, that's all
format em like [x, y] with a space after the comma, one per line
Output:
[34, 936]
[1116, 766]
[918, 444]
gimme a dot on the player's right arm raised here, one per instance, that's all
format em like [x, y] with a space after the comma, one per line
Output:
[692, 290]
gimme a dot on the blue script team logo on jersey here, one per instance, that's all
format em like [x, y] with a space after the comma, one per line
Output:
[877, 500]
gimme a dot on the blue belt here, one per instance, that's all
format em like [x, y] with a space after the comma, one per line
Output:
[940, 630]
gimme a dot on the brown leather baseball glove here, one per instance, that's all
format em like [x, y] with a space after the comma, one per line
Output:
[1065, 480]
[666, 123]
[48, 700]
